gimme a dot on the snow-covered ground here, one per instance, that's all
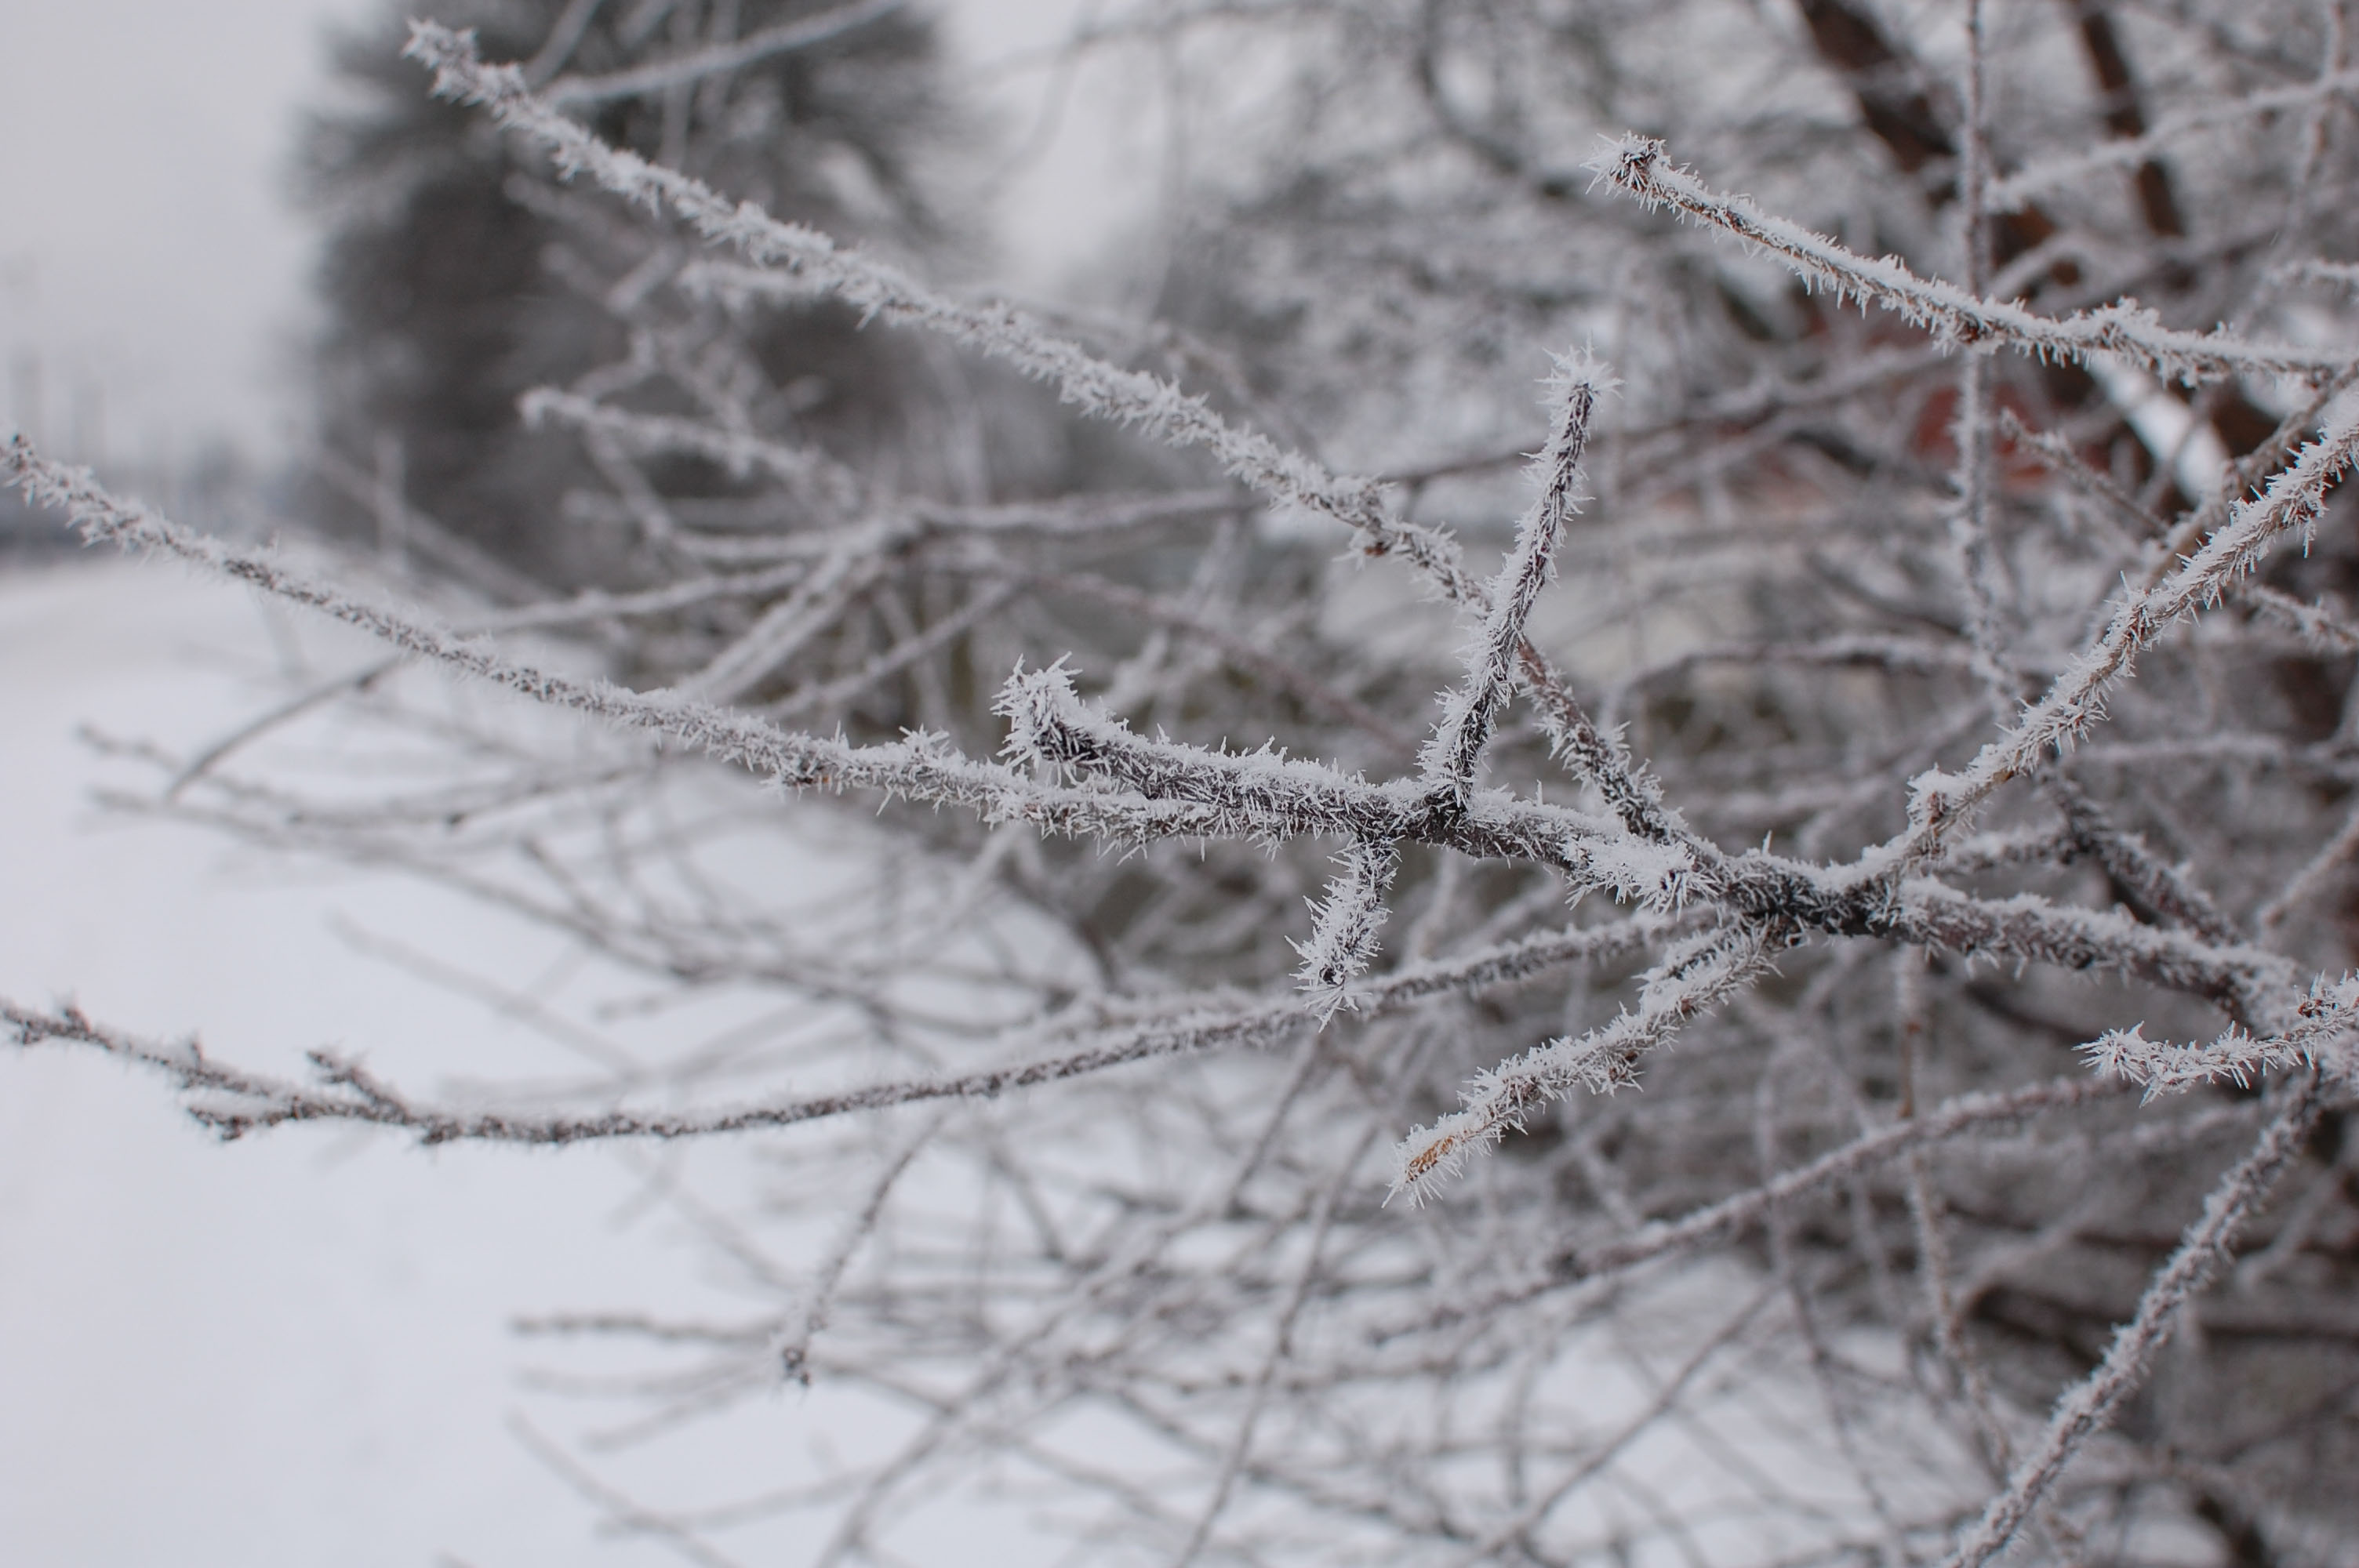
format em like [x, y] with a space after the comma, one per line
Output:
[293, 1350]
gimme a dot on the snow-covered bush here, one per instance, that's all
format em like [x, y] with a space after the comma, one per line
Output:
[1886, 1104]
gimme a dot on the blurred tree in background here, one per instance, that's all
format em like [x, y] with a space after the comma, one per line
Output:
[457, 273]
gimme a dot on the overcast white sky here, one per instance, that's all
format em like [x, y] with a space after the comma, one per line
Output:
[151, 263]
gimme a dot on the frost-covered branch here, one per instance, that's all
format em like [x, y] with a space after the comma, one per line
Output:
[2091, 1403]
[1700, 975]
[2319, 1041]
[1950, 1119]
[1468, 717]
[1099, 389]
[1638, 167]
[233, 1101]
[922, 767]
[876, 287]
[2129, 152]
[1347, 925]
[741, 452]
[2292, 502]
[719, 60]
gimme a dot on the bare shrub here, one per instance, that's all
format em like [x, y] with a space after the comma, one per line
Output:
[1888, 1104]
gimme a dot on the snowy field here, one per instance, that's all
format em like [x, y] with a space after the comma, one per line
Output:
[293, 1350]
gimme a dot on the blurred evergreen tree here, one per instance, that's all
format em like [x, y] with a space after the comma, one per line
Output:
[459, 273]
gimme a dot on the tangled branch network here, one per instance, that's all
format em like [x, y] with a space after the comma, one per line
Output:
[1102, 1153]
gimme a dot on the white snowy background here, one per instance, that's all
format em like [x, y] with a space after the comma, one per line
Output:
[294, 1350]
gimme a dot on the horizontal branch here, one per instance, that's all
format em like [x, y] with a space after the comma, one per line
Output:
[1231, 795]
[2248, 982]
[1637, 165]
[2319, 1042]
[1048, 724]
[1239, 651]
[2127, 152]
[809, 471]
[1731, 1214]
[233, 1101]
[682, 70]
[923, 768]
